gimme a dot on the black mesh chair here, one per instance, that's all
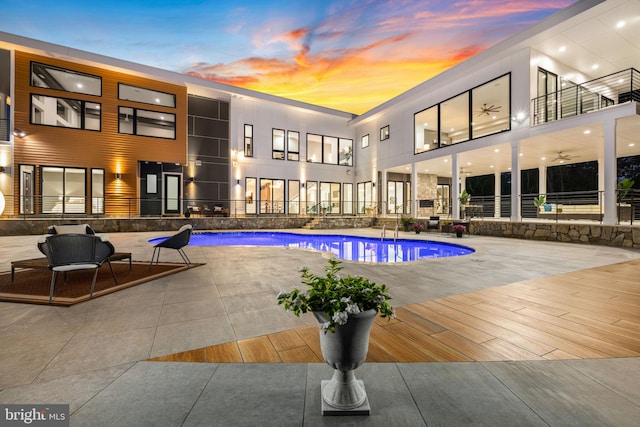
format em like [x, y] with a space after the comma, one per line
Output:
[71, 252]
[177, 242]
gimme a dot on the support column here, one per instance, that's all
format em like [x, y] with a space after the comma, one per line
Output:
[516, 214]
[414, 190]
[610, 173]
[456, 188]
[496, 195]
[383, 193]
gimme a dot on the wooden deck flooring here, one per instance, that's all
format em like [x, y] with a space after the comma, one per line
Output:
[593, 313]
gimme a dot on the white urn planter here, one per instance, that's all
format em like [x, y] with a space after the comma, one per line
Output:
[346, 350]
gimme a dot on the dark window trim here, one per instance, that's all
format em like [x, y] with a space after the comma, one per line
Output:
[81, 109]
[134, 118]
[284, 144]
[362, 141]
[288, 148]
[384, 137]
[175, 98]
[66, 70]
[248, 152]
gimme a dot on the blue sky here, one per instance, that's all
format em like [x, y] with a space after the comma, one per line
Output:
[331, 53]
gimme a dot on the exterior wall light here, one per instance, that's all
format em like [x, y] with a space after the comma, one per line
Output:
[118, 176]
[19, 133]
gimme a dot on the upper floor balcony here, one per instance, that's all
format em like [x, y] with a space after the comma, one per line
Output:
[576, 99]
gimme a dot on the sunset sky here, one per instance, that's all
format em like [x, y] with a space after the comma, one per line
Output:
[342, 54]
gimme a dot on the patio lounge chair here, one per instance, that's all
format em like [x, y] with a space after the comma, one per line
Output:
[177, 242]
[434, 223]
[71, 252]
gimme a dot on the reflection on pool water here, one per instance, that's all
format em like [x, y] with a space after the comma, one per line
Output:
[351, 248]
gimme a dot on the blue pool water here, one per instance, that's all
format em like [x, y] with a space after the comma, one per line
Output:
[351, 248]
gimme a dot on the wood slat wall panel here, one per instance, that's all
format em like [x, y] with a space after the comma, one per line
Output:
[107, 149]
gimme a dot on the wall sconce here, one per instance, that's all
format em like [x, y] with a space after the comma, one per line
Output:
[118, 176]
[19, 133]
[235, 164]
[238, 181]
[303, 185]
[190, 179]
[1, 169]
[373, 184]
[348, 171]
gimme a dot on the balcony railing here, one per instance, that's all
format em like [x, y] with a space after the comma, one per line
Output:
[573, 100]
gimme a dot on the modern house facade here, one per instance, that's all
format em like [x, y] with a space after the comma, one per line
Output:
[83, 134]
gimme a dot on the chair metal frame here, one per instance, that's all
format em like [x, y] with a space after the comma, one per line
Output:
[177, 242]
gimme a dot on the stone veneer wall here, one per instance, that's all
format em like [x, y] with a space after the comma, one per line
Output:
[596, 234]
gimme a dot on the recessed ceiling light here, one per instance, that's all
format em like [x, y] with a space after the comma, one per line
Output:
[446, 160]
[543, 158]
[620, 24]
[521, 154]
[491, 166]
[468, 163]
[595, 66]
[587, 132]
[562, 48]
[632, 145]
[497, 150]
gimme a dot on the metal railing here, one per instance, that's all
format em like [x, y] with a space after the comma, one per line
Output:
[576, 99]
[578, 205]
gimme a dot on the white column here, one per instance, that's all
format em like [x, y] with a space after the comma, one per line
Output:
[496, 195]
[542, 180]
[516, 215]
[414, 190]
[610, 172]
[383, 193]
[455, 187]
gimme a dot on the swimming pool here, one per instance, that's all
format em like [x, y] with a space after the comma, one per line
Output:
[351, 248]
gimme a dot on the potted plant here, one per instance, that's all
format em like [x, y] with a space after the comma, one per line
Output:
[345, 308]
[417, 227]
[407, 222]
[464, 197]
[459, 229]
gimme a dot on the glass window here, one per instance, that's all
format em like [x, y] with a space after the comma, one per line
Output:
[248, 140]
[63, 190]
[27, 189]
[250, 185]
[134, 121]
[312, 197]
[97, 191]
[293, 145]
[314, 148]
[145, 96]
[67, 113]
[272, 196]
[491, 107]
[426, 126]
[384, 133]
[347, 198]
[365, 197]
[294, 196]
[364, 141]
[330, 150]
[395, 197]
[454, 120]
[277, 144]
[50, 77]
[329, 197]
[345, 153]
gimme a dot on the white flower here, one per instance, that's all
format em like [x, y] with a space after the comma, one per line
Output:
[341, 317]
[352, 309]
[297, 302]
[345, 299]
[281, 294]
[324, 326]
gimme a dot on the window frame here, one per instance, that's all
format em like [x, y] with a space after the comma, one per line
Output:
[81, 112]
[136, 119]
[278, 154]
[293, 154]
[385, 133]
[248, 140]
[364, 138]
[150, 92]
[64, 70]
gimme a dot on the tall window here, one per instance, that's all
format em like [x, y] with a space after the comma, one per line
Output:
[294, 196]
[97, 191]
[312, 197]
[50, 77]
[293, 145]
[272, 196]
[330, 197]
[384, 133]
[365, 197]
[345, 152]
[547, 101]
[251, 197]
[134, 121]
[63, 112]
[364, 141]
[314, 148]
[454, 120]
[248, 140]
[277, 144]
[347, 198]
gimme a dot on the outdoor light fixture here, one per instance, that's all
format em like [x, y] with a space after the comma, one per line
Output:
[191, 179]
[19, 133]
[373, 184]
[118, 176]
[238, 181]
[1, 169]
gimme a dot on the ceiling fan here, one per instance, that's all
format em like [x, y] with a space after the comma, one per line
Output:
[487, 110]
[561, 157]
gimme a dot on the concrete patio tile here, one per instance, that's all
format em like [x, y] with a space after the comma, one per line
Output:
[74, 390]
[464, 393]
[148, 394]
[252, 395]
[85, 354]
[192, 334]
[613, 373]
[261, 322]
[390, 400]
[19, 366]
[561, 394]
[120, 319]
[191, 310]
